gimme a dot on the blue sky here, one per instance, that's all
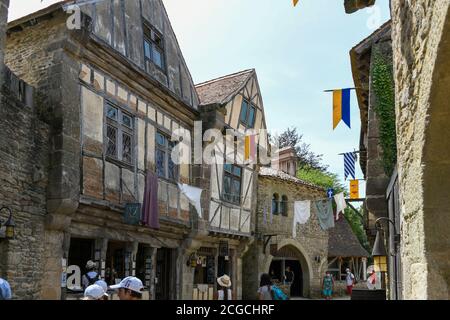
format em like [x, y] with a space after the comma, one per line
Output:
[297, 53]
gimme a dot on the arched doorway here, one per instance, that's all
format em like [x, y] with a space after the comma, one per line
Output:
[291, 255]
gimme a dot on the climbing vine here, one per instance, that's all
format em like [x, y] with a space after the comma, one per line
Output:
[383, 86]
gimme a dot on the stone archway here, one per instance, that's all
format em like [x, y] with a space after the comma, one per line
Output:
[302, 257]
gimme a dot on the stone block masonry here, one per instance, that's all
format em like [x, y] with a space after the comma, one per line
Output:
[24, 176]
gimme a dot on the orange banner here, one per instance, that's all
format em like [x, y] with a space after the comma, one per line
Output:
[354, 189]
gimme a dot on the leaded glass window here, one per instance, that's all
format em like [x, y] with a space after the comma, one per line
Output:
[119, 134]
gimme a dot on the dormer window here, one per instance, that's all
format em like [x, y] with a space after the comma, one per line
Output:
[248, 114]
[153, 46]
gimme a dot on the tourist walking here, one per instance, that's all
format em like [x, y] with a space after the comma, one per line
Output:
[130, 288]
[350, 281]
[328, 286]
[289, 276]
[265, 288]
[224, 292]
[94, 292]
[5, 290]
[91, 276]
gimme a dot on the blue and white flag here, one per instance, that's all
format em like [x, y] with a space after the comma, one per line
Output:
[349, 165]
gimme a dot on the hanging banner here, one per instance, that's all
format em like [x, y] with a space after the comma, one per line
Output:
[354, 189]
[341, 107]
[295, 2]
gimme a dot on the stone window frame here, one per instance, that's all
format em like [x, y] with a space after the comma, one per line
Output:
[121, 129]
[166, 148]
[245, 122]
[150, 40]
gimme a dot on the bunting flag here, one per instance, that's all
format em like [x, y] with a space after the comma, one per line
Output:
[341, 107]
[250, 147]
[349, 165]
[295, 2]
[354, 189]
[340, 204]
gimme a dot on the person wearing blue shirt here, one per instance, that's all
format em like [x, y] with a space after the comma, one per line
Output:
[5, 290]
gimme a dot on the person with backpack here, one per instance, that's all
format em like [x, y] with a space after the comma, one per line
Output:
[350, 281]
[91, 276]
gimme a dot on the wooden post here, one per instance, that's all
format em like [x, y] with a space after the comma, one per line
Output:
[364, 263]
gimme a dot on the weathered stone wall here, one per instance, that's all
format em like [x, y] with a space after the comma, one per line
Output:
[376, 178]
[24, 151]
[311, 241]
[421, 44]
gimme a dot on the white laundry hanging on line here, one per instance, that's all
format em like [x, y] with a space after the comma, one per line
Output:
[302, 213]
[194, 196]
[340, 204]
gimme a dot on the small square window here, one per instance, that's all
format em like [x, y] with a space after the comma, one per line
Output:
[111, 112]
[160, 139]
[126, 120]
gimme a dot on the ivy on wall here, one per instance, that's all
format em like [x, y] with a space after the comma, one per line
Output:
[384, 106]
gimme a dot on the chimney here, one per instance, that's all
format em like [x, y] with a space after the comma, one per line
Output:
[287, 161]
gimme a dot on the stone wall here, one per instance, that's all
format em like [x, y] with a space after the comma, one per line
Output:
[377, 179]
[311, 241]
[421, 65]
[24, 177]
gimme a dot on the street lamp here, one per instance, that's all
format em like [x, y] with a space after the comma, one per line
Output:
[379, 252]
[9, 225]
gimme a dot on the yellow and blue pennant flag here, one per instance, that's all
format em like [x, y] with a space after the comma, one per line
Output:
[341, 107]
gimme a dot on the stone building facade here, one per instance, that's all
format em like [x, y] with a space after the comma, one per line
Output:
[107, 98]
[420, 42]
[371, 149]
[274, 247]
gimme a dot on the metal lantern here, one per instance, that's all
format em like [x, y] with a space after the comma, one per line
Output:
[9, 225]
[379, 253]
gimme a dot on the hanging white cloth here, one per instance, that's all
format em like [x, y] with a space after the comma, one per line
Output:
[340, 204]
[194, 196]
[302, 213]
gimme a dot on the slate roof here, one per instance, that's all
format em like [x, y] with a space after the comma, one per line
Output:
[342, 242]
[274, 173]
[222, 89]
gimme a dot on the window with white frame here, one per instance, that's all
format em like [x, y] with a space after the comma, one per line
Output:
[119, 134]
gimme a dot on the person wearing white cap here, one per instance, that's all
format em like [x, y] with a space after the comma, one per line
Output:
[104, 286]
[94, 292]
[224, 293]
[130, 288]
